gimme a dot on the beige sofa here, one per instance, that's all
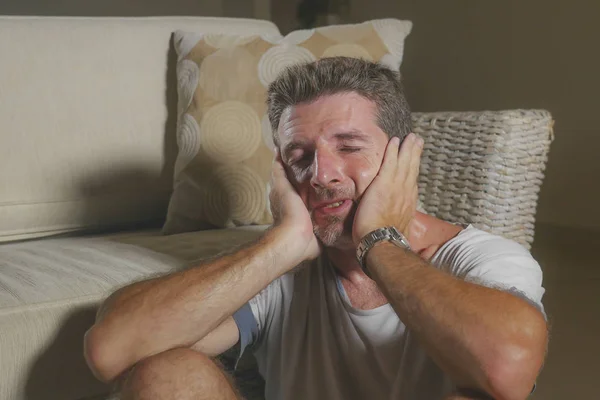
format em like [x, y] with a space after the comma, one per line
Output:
[87, 148]
[87, 143]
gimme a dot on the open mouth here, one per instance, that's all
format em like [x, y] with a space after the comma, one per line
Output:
[339, 207]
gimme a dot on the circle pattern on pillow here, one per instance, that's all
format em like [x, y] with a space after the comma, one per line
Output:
[187, 81]
[347, 50]
[236, 196]
[221, 41]
[188, 141]
[220, 72]
[277, 58]
[231, 132]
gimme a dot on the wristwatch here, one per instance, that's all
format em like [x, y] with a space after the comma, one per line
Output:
[389, 233]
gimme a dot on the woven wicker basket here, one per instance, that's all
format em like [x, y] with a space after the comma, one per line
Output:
[485, 168]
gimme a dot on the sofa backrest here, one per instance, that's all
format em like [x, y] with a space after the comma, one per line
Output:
[88, 110]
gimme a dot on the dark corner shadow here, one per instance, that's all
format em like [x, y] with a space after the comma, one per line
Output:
[60, 372]
[170, 143]
[129, 197]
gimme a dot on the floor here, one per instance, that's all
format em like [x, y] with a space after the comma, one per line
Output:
[569, 259]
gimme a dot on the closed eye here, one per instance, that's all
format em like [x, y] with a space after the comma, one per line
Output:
[347, 149]
[302, 162]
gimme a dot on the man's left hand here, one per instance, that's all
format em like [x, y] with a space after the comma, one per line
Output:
[391, 198]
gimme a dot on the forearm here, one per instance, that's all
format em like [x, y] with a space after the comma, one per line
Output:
[149, 317]
[476, 334]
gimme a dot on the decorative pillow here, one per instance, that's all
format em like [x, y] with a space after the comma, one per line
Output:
[224, 136]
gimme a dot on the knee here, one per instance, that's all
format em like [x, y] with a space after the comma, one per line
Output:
[160, 373]
[172, 359]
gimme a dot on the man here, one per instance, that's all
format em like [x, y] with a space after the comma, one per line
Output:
[432, 311]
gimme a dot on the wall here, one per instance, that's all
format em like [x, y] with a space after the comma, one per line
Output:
[474, 55]
[229, 8]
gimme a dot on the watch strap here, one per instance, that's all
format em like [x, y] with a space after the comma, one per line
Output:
[388, 233]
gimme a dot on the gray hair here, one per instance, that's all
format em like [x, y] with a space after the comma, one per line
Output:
[305, 83]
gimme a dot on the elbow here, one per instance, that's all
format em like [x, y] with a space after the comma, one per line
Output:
[513, 373]
[107, 351]
[101, 355]
[511, 380]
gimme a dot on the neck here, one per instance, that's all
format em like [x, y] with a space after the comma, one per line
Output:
[344, 258]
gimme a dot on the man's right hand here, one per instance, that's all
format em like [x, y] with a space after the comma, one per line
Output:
[290, 216]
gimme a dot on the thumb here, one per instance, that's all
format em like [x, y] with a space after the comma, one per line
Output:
[279, 177]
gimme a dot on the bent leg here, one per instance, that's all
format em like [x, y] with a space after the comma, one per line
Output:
[180, 374]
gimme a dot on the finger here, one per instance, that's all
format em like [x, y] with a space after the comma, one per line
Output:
[415, 160]
[277, 172]
[279, 160]
[390, 158]
[280, 181]
[276, 187]
[405, 153]
[275, 168]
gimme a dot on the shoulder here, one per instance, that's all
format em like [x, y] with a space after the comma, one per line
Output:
[488, 244]
[474, 248]
[448, 236]
[494, 261]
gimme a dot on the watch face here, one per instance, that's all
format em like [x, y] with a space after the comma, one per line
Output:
[399, 238]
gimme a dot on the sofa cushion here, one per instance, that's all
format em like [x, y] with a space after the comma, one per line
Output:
[224, 136]
[87, 119]
[50, 290]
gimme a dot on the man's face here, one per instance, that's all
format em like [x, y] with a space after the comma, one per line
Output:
[332, 149]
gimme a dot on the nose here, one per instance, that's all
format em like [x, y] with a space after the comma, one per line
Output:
[326, 169]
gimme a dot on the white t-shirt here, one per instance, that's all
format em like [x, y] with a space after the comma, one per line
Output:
[310, 343]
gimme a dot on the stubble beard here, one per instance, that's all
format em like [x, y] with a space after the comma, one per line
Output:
[337, 231]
